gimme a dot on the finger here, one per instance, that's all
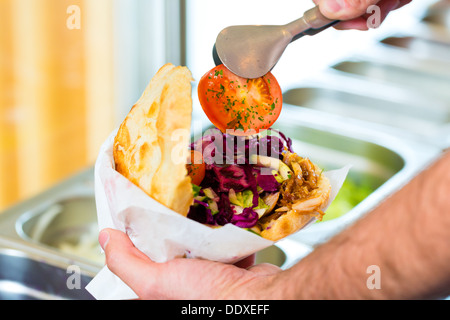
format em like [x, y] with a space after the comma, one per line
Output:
[246, 262]
[361, 23]
[402, 3]
[344, 9]
[265, 269]
[385, 6]
[355, 24]
[126, 261]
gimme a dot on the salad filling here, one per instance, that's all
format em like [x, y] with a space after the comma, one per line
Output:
[249, 180]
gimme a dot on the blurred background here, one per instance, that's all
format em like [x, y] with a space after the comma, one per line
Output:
[70, 70]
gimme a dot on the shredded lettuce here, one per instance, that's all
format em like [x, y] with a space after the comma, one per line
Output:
[195, 190]
[243, 199]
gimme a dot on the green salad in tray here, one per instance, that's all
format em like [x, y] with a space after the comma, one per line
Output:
[353, 191]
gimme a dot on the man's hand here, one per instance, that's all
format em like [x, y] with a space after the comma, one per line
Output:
[353, 13]
[185, 278]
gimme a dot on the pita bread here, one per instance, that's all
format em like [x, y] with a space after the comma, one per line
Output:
[150, 148]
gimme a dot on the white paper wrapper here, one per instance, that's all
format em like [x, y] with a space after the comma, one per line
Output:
[161, 233]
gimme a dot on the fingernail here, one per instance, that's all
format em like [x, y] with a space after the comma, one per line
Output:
[103, 238]
[333, 5]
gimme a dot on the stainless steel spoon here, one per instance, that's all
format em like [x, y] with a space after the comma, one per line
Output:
[252, 51]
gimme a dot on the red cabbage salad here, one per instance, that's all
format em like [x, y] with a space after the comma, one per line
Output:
[241, 171]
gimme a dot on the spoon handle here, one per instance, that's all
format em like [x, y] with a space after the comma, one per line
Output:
[312, 22]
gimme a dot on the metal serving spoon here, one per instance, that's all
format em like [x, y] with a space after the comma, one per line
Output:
[252, 51]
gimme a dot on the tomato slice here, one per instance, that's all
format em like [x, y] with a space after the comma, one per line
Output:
[196, 167]
[246, 106]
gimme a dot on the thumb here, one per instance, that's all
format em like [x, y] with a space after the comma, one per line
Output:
[118, 246]
[124, 259]
[344, 9]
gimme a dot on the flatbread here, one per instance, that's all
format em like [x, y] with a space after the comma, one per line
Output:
[150, 148]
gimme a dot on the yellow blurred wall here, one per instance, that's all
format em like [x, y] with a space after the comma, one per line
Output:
[56, 91]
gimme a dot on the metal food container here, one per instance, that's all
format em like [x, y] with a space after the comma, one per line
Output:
[429, 84]
[69, 225]
[28, 276]
[408, 113]
[420, 47]
[438, 14]
[33, 265]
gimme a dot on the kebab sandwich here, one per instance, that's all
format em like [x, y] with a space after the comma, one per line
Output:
[253, 181]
